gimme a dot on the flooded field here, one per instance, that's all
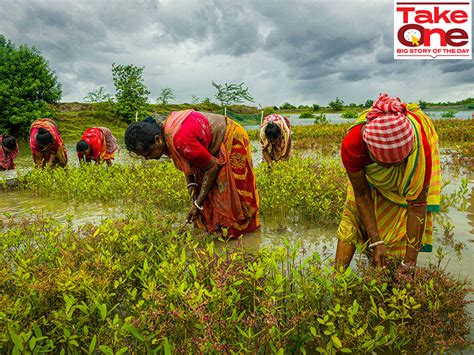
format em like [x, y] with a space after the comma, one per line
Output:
[293, 230]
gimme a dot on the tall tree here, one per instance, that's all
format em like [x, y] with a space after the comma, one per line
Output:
[131, 92]
[166, 95]
[27, 86]
[228, 94]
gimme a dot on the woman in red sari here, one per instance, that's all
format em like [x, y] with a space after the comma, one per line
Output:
[215, 155]
[8, 152]
[46, 144]
[98, 144]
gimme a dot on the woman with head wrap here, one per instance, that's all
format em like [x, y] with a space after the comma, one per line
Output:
[98, 144]
[8, 152]
[275, 138]
[391, 158]
[214, 153]
[46, 144]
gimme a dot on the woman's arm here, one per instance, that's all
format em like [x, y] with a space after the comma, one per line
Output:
[365, 206]
[52, 158]
[266, 156]
[38, 159]
[208, 181]
[192, 186]
[416, 220]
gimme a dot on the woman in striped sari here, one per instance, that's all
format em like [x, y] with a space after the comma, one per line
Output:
[214, 153]
[391, 158]
[275, 138]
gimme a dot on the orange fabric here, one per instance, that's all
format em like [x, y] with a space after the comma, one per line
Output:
[58, 145]
[232, 203]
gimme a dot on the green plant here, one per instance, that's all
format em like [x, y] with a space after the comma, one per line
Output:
[98, 95]
[27, 86]
[368, 103]
[166, 95]
[287, 106]
[136, 285]
[350, 114]
[449, 114]
[228, 94]
[307, 115]
[321, 118]
[337, 104]
[131, 92]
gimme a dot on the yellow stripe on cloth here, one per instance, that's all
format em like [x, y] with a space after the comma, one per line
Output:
[391, 188]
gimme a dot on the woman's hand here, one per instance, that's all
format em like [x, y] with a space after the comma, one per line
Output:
[379, 256]
[193, 214]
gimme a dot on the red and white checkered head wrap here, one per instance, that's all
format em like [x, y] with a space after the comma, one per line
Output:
[388, 132]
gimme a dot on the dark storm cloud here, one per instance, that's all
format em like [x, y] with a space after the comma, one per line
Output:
[284, 50]
[228, 27]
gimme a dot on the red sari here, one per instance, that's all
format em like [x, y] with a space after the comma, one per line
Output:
[6, 158]
[58, 147]
[232, 204]
[102, 143]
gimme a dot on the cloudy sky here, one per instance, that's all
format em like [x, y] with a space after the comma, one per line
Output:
[302, 52]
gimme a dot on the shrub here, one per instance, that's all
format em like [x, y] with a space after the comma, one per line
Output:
[350, 114]
[307, 115]
[321, 118]
[448, 114]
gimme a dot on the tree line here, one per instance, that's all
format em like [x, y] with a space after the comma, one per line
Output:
[28, 87]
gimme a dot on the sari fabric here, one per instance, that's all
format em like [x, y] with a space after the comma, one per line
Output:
[232, 204]
[282, 149]
[102, 142]
[58, 147]
[7, 158]
[393, 187]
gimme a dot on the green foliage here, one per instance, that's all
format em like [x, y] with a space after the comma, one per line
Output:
[27, 86]
[307, 114]
[287, 106]
[455, 130]
[337, 104]
[166, 95]
[448, 114]
[321, 118]
[135, 285]
[195, 99]
[131, 92]
[228, 94]
[98, 95]
[269, 110]
[303, 187]
[73, 123]
[316, 107]
[369, 103]
[350, 114]
[422, 104]
[161, 184]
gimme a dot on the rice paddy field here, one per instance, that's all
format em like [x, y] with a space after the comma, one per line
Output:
[97, 260]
